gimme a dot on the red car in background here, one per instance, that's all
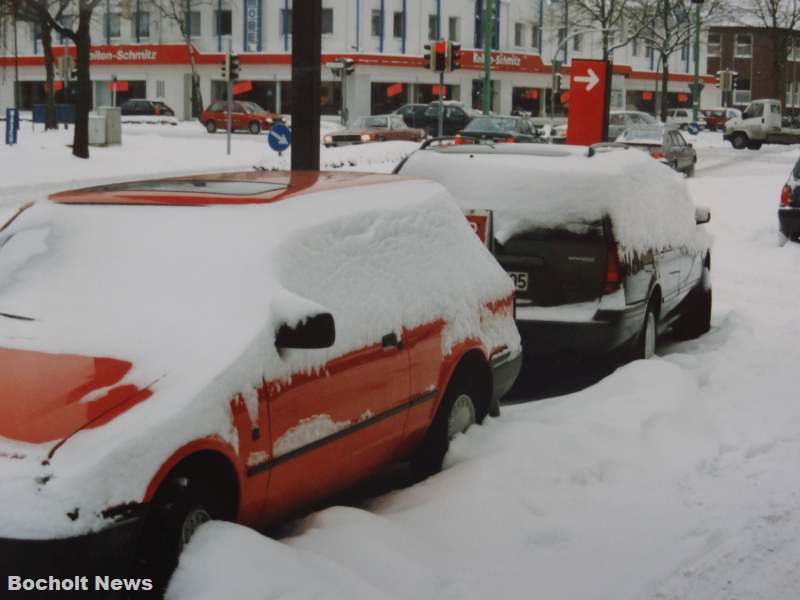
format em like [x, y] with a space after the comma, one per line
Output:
[245, 115]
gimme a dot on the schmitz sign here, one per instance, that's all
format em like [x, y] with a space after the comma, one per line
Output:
[589, 98]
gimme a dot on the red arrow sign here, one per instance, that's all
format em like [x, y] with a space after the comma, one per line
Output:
[589, 93]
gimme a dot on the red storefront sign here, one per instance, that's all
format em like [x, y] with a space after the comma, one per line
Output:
[117, 86]
[647, 95]
[242, 87]
[394, 89]
[504, 61]
[682, 98]
[589, 91]
[532, 94]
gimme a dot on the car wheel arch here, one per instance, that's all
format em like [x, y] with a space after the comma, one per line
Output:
[473, 361]
[214, 459]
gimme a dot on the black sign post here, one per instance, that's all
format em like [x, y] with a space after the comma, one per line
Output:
[306, 49]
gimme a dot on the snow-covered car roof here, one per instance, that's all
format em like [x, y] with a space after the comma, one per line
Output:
[531, 185]
[191, 291]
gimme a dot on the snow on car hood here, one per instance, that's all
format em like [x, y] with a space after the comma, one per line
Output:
[649, 204]
[191, 297]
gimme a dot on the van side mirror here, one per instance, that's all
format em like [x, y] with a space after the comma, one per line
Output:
[702, 215]
[317, 331]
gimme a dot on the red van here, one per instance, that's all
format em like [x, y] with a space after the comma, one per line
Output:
[231, 346]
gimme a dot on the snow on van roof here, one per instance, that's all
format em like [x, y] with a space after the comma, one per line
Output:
[648, 203]
[192, 297]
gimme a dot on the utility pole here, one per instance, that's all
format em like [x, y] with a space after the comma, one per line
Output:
[306, 48]
[229, 90]
[488, 30]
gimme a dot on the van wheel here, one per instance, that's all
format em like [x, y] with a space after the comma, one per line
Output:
[459, 410]
[697, 319]
[211, 127]
[179, 508]
[254, 127]
[739, 141]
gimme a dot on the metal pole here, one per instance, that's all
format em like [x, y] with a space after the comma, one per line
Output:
[306, 48]
[16, 62]
[229, 84]
[441, 102]
[696, 90]
[487, 57]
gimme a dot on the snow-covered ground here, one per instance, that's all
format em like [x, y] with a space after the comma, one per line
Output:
[674, 478]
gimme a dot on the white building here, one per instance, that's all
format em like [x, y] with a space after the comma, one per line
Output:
[385, 38]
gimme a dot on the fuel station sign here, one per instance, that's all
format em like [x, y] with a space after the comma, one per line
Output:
[589, 99]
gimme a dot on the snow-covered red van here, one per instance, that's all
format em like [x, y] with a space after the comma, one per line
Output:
[230, 346]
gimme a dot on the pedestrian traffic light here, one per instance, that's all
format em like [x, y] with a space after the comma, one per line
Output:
[225, 67]
[453, 56]
[441, 56]
[233, 67]
[428, 58]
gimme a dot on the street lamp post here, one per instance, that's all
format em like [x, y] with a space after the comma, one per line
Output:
[696, 86]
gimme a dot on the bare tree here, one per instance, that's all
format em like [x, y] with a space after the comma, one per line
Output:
[609, 17]
[178, 13]
[666, 26]
[778, 18]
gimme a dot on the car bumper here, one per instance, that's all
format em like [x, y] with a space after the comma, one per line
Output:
[604, 333]
[505, 369]
[108, 552]
[789, 221]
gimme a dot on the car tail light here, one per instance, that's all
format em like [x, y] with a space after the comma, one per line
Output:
[657, 154]
[509, 140]
[459, 140]
[786, 195]
[613, 270]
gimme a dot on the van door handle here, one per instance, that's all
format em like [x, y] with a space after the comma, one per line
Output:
[390, 340]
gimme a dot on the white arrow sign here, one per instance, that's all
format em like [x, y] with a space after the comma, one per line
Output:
[591, 79]
[281, 138]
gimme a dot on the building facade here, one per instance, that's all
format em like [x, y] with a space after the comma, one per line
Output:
[748, 51]
[135, 44]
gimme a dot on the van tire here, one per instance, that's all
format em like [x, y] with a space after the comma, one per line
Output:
[739, 140]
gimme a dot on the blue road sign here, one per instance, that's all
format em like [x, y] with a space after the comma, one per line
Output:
[279, 137]
[12, 125]
[693, 128]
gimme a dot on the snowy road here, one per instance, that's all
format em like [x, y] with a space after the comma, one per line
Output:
[671, 479]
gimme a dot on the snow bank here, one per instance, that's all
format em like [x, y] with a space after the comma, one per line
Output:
[648, 203]
[192, 297]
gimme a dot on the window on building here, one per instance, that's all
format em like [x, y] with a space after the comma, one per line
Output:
[685, 51]
[536, 33]
[577, 42]
[635, 49]
[562, 35]
[453, 29]
[713, 44]
[519, 31]
[432, 27]
[142, 24]
[744, 45]
[648, 50]
[286, 21]
[327, 21]
[397, 24]
[741, 92]
[113, 25]
[195, 22]
[160, 88]
[222, 22]
[377, 25]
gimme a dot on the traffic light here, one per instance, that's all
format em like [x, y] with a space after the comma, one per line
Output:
[225, 67]
[428, 58]
[453, 56]
[233, 67]
[440, 56]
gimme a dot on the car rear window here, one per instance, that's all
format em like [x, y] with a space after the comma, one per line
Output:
[498, 124]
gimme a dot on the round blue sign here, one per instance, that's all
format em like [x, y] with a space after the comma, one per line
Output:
[693, 128]
[279, 137]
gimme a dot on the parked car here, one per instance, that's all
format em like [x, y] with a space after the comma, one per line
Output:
[620, 120]
[145, 107]
[682, 117]
[413, 115]
[605, 247]
[456, 116]
[789, 209]
[665, 144]
[244, 115]
[253, 356]
[376, 128]
[717, 117]
[494, 128]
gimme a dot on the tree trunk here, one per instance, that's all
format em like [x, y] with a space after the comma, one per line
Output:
[197, 96]
[779, 57]
[664, 87]
[50, 92]
[83, 40]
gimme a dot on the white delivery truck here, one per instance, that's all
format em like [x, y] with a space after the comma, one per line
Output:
[760, 124]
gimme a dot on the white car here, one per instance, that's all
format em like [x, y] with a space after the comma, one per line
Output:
[682, 117]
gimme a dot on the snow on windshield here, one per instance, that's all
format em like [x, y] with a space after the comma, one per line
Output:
[648, 203]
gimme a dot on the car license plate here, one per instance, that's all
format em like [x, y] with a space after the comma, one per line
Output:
[520, 280]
